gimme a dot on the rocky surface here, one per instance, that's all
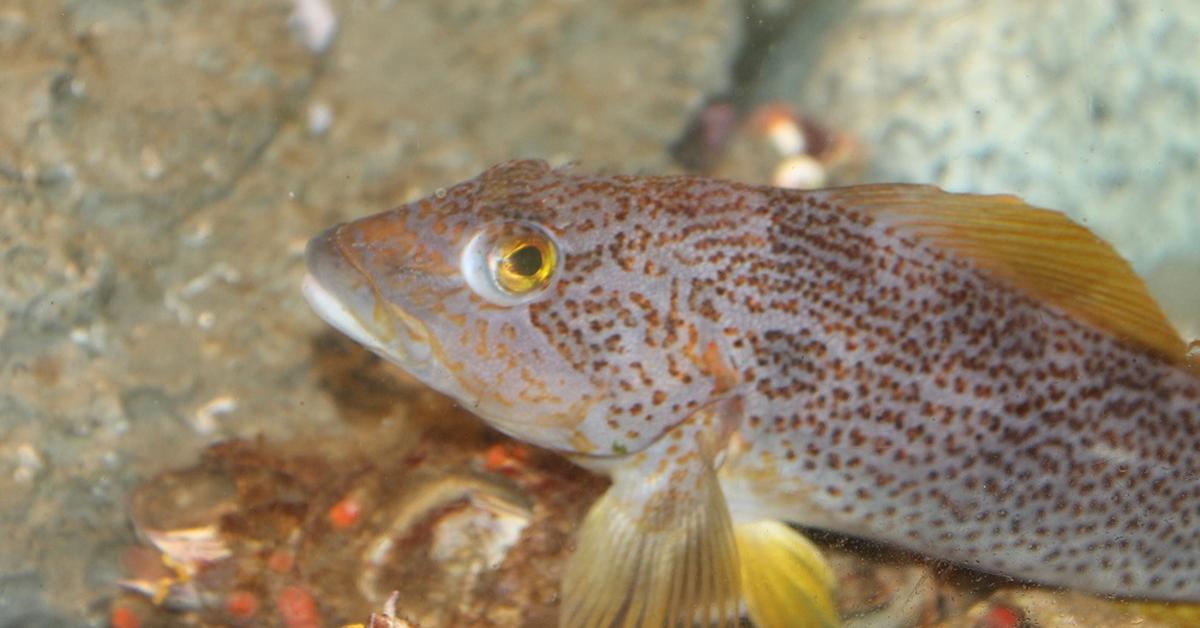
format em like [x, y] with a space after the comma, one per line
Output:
[162, 164]
[1080, 105]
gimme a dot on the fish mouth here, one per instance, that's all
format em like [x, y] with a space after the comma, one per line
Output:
[346, 297]
[335, 313]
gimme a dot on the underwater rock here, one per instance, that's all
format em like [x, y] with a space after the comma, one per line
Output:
[449, 533]
[1084, 106]
[434, 92]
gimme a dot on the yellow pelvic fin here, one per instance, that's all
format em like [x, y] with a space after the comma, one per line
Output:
[1174, 614]
[1039, 251]
[657, 549]
[785, 579]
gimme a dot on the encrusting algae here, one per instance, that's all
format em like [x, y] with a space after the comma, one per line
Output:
[968, 377]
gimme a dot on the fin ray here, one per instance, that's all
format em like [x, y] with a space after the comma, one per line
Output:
[655, 553]
[1174, 614]
[1038, 251]
[785, 579]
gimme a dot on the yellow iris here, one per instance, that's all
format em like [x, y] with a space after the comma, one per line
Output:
[524, 263]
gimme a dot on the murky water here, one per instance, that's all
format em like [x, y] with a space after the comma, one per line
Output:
[166, 392]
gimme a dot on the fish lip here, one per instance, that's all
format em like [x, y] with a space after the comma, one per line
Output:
[331, 268]
[334, 312]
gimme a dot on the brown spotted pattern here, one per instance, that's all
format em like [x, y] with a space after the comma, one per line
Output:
[918, 402]
[885, 388]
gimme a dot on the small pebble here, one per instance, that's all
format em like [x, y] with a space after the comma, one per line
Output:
[320, 118]
[29, 463]
[799, 172]
[316, 23]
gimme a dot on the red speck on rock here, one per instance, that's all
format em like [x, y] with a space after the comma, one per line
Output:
[298, 608]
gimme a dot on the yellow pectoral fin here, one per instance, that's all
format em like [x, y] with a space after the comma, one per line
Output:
[1041, 252]
[655, 551]
[785, 578]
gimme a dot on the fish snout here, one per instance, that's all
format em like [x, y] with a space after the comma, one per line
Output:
[325, 260]
[338, 289]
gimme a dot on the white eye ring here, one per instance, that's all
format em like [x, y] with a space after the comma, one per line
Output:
[488, 263]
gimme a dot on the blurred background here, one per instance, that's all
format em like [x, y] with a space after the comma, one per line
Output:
[163, 162]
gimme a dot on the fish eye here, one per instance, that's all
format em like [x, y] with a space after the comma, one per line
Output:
[510, 263]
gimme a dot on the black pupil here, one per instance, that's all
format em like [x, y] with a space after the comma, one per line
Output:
[525, 261]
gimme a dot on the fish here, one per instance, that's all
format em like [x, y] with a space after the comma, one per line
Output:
[964, 376]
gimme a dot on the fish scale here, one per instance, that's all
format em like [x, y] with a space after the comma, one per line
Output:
[963, 420]
[893, 378]
[911, 398]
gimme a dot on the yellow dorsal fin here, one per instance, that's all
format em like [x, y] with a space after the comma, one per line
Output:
[1039, 251]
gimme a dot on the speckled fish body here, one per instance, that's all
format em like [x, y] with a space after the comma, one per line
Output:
[843, 366]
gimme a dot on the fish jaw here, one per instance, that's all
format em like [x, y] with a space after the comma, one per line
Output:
[347, 299]
[328, 271]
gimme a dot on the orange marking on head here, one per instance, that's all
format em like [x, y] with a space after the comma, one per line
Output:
[482, 348]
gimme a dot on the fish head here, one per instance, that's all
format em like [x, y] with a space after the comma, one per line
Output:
[448, 287]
